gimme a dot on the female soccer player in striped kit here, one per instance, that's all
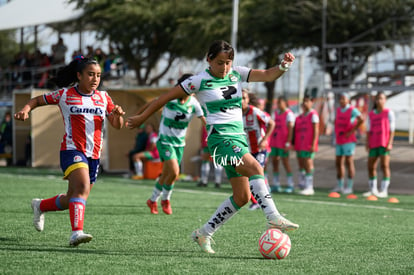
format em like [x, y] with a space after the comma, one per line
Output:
[380, 136]
[83, 109]
[218, 89]
[175, 118]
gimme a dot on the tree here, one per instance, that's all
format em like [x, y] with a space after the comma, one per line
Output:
[8, 47]
[351, 21]
[271, 27]
[264, 29]
[145, 31]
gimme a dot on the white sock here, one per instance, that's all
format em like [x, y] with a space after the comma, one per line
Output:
[156, 193]
[290, 180]
[205, 170]
[384, 185]
[138, 168]
[263, 197]
[309, 181]
[167, 192]
[373, 185]
[302, 175]
[218, 171]
[223, 213]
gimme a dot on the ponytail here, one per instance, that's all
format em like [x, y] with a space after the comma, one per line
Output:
[67, 76]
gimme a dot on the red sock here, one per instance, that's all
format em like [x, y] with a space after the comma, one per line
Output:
[76, 213]
[51, 204]
[253, 199]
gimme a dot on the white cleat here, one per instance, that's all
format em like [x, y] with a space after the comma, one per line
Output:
[347, 191]
[382, 194]
[282, 223]
[203, 241]
[370, 193]
[338, 189]
[79, 237]
[38, 216]
[307, 192]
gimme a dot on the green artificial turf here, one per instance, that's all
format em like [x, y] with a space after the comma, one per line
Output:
[336, 236]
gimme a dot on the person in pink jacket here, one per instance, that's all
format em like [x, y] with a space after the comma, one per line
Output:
[380, 136]
[306, 143]
[280, 143]
[347, 120]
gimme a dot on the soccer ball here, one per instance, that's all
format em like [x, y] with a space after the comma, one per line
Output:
[274, 244]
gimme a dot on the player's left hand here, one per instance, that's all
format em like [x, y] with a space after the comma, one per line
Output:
[312, 149]
[349, 133]
[117, 111]
[288, 59]
[262, 145]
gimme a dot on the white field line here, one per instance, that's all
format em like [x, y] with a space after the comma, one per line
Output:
[228, 194]
[342, 204]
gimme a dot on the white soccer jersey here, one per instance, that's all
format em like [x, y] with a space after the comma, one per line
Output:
[175, 118]
[83, 118]
[220, 99]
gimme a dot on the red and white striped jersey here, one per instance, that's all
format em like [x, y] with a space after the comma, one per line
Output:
[255, 124]
[83, 118]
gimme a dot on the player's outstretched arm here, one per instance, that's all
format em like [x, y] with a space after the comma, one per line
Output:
[155, 105]
[273, 73]
[23, 114]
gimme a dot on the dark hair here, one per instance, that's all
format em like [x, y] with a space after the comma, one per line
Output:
[374, 106]
[219, 46]
[182, 78]
[283, 98]
[308, 96]
[253, 99]
[67, 76]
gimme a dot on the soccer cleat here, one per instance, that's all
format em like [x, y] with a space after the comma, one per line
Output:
[276, 189]
[201, 184]
[166, 207]
[307, 191]
[203, 241]
[370, 193]
[338, 189]
[153, 206]
[38, 216]
[217, 185]
[289, 189]
[282, 223]
[136, 177]
[347, 191]
[79, 237]
[382, 194]
[254, 206]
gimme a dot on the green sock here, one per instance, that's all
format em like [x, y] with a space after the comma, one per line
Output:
[350, 183]
[340, 183]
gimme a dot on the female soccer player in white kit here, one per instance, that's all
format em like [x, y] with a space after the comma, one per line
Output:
[218, 89]
[83, 109]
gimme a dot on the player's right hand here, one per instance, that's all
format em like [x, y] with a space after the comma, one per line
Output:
[21, 115]
[133, 122]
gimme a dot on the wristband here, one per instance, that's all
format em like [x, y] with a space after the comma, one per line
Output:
[287, 144]
[284, 68]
